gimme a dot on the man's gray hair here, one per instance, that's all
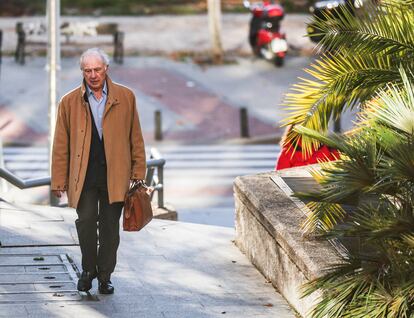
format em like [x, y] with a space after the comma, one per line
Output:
[94, 52]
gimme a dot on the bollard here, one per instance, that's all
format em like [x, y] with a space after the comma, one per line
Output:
[158, 125]
[1, 44]
[244, 123]
[337, 125]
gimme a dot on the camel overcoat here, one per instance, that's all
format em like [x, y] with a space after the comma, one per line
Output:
[123, 142]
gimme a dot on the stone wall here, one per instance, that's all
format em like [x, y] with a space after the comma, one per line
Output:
[268, 231]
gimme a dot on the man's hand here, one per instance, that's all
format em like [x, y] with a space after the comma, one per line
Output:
[58, 193]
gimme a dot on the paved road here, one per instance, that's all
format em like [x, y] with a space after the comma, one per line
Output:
[198, 178]
[198, 104]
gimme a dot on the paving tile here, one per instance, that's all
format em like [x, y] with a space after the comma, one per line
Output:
[189, 314]
[129, 303]
[183, 302]
[66, 310]
[16, 309]
[248, 311]
[140, 314]
[208, 300]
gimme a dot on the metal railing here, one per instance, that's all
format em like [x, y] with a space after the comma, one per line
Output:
[154, 164]
[156, 180]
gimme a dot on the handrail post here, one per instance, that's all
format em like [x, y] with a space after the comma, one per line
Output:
[160, 173]
[155, 154]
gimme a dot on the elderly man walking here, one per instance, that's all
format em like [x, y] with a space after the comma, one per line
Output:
[98, 149]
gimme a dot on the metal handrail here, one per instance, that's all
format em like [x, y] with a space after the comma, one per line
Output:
[155, 181]
[23, 184]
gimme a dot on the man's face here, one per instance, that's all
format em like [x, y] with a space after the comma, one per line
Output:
[94, 72]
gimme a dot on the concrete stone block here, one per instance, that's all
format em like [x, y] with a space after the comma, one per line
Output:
[268, 231]
[168, 212]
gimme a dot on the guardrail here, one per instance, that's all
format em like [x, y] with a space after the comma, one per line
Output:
[154, 164]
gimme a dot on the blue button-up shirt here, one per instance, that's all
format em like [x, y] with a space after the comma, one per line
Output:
[97, 107]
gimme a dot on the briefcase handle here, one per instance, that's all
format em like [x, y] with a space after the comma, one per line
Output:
[136, 184]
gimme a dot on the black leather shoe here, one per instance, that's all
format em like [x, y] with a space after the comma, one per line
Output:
[85, 281]
[106, 287]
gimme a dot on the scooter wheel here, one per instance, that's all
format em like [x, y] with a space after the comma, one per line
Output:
[279, 61]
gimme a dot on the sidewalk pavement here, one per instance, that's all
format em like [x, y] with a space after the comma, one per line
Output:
[169, 269]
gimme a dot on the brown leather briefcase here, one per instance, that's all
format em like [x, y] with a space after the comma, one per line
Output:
[137, 207]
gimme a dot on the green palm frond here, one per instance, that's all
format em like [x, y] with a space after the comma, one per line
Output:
[394, 105]
[364, 286]
[355, 172]
[391, 116]
[343, 284]
[409, 240]
[334, 140]
[401, 167]
[368, 54]
[406, 3]
[380, 30]
[371, 67]
[374, 175]
[379, 223]
[323, 216]
[338, 83]
[382, 303]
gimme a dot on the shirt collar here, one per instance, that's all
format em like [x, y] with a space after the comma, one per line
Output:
[104, 90]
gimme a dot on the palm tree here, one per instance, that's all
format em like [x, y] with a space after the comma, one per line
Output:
[367, 197]
[366, 52]
[375, 176]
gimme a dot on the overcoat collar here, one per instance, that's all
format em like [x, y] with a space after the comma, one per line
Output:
[112, 98]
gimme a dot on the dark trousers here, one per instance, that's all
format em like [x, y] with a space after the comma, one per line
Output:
[98, 222]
